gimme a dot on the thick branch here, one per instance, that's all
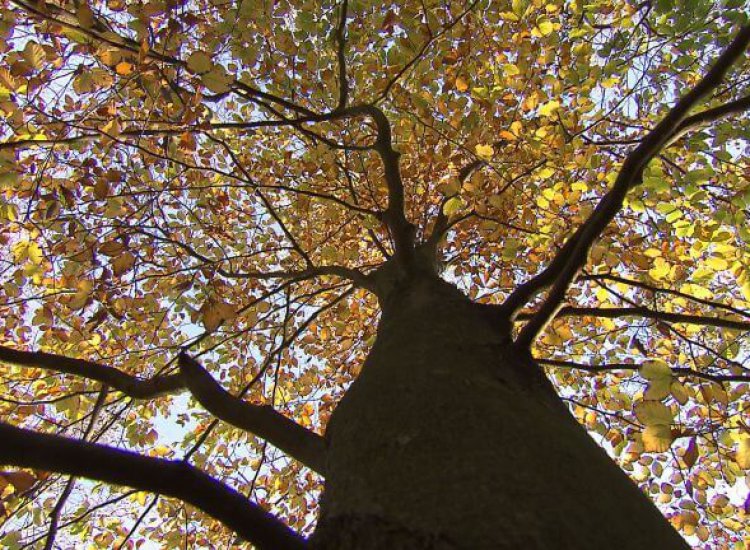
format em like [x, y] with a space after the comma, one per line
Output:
[395, 214]
[640, 311]
[572, 258]
[132, 386]
[29, 449]
[298, 442]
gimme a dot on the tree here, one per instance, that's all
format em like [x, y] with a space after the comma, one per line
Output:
[260, 255]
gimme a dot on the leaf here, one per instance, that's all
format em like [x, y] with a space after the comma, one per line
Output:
[110, 57]
[658, 389]
[550, 108]
[33, 53]
[161, 451]
[655, 369]
[510, 70]
[691, 453]
[112, 128]
[742, 456]
[653, 412]
[545, 27]
[484, 152]
[7, 80]
[27, 251]
[101, 189]
[716, 263]
[214, 313]
[82, 295]
[123, 68]
[199, 62]
[111, 248]
[452, 206]
[217, 80]
[85, 16]
[656, 438]
[679, 392]
[461, 84]
[123, 263]
[21, 481]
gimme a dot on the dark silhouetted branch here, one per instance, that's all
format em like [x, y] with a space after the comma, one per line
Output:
[132, 386]
[678, 372]
[302, 444]
[640, 311]
[568, 262]
[29, 449]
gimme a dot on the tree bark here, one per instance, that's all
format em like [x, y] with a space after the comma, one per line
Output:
[451, 438]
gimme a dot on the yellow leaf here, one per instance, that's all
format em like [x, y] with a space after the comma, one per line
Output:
[27, 250]
[549, 108]
[718, 264]
[656, 438]
[547, 172]
[33, 54]
[545, 27]
[112, 128]
[485, 152]
[651, 413]
[81, 297]
[452, 206]
[461, 84]
[655, 369]
[658, 389]
[161, 450]
[511, 70]
[7, 80]
[199, 62]
[743, 453]
[123, 68]
[679, 393]
[110, 57]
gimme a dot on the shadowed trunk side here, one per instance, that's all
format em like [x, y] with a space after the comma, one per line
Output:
[451, 438]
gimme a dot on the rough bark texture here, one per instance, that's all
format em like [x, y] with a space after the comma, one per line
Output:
[451, 439]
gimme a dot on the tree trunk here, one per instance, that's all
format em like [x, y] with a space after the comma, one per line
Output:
[450, 438]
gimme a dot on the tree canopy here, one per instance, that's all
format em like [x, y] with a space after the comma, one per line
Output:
[194, 195]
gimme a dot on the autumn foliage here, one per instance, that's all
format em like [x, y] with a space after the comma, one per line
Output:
[194, 197]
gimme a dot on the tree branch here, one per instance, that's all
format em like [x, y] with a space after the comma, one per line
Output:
[395, 214]
[132, 386]
[54, 517]
[341, 55]
[640, 311]
[302, 444]
[659, 290]
[678, 372]
[29, 449]
[573, 256]
[263, 421]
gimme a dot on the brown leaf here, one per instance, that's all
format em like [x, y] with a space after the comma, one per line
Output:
[22, 481]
